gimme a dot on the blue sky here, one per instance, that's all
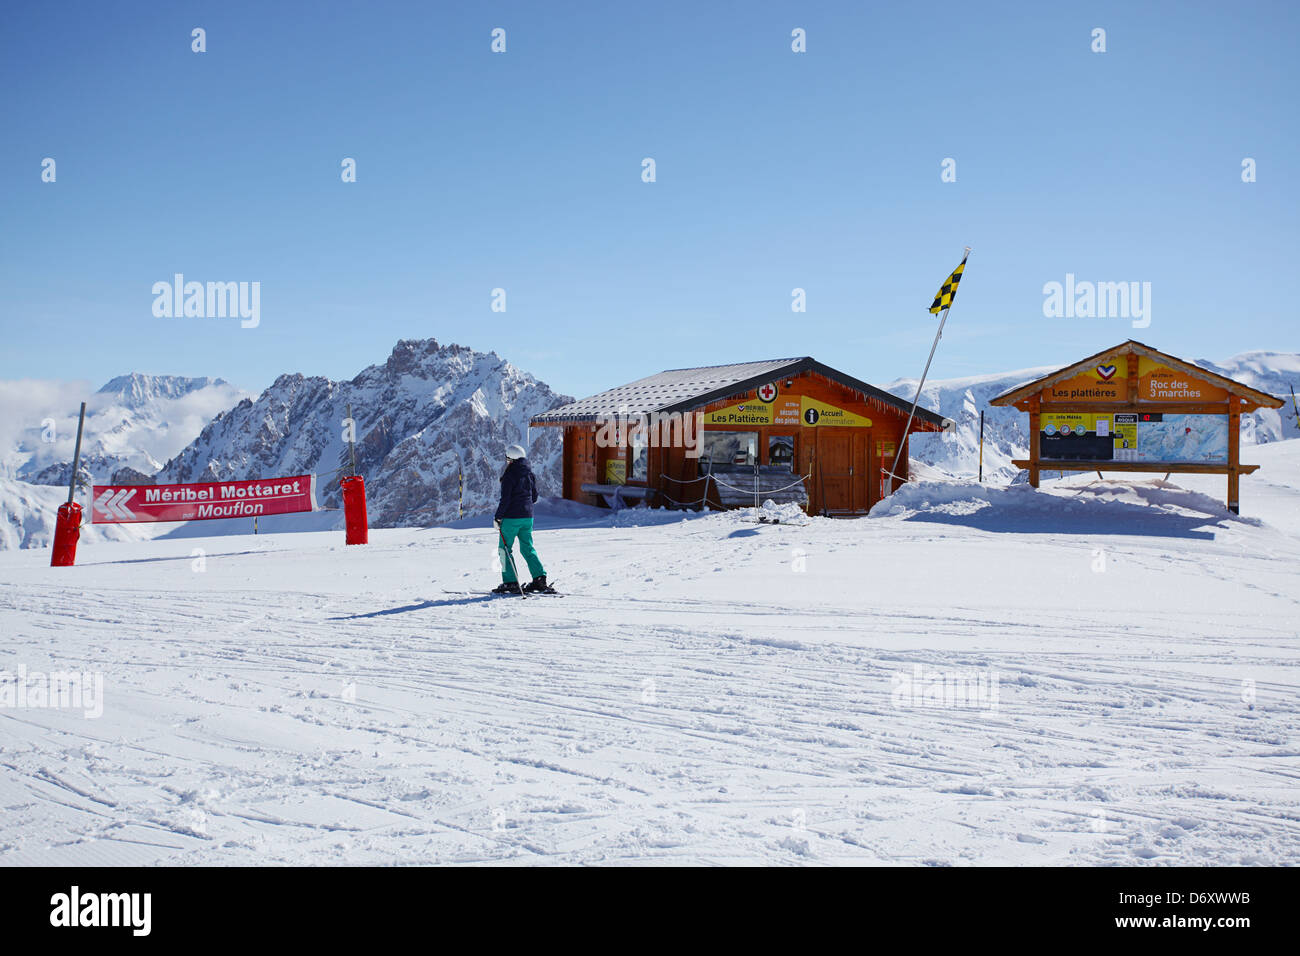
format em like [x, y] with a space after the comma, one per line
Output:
[522, 171]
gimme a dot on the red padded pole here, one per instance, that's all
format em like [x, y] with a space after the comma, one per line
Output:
[354, 509]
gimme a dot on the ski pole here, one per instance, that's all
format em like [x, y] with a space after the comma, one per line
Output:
[511, 558]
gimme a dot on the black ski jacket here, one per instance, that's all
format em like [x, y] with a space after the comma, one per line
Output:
[518, 491]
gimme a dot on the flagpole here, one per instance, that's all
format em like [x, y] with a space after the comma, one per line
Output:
[893, 471]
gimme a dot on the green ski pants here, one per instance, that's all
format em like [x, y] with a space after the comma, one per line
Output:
[521, 528]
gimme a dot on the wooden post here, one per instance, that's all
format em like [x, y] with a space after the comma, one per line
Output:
[1033, 440]
[1234, 454]
[460, 478]
[810, 486]
[821, 481]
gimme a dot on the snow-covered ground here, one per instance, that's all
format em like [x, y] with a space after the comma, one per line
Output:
[711, 690]
[28, 514]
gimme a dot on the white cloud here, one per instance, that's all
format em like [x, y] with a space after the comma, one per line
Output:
[26, 403]
[157, 431]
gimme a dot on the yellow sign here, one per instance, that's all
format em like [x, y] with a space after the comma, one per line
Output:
[792, 410]
[752, 413]
[615, 472]
[1074, 423]
[743, 413]
[817, 413]
[1079, 424]
[1125, 430]
[1160, 383]
[1107, 382]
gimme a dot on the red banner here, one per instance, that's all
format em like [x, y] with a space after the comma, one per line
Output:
[130, 504]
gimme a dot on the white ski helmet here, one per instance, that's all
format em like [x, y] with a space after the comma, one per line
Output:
[515, 451]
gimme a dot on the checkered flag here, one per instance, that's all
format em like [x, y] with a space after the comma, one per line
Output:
[948, 291]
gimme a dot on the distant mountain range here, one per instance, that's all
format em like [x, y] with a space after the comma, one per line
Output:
[421, 414]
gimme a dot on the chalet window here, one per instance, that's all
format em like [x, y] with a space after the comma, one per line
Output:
[638, 455]
[729, 449]
[780, 451]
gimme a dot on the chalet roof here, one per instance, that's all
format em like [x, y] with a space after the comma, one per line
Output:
[682, 389]
[1134, 347]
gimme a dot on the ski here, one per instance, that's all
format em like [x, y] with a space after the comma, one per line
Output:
[498, 595]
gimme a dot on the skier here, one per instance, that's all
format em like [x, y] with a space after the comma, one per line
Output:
[514, 519]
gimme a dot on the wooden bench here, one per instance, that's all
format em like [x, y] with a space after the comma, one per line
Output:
[616, 495]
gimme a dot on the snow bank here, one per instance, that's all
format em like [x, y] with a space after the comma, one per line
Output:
[1151, 505]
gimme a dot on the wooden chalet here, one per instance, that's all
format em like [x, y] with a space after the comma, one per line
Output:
[727, 436]
[1133, 408]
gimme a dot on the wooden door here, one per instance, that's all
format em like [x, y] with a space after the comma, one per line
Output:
[870, 470]
[579, 462]
[844, 457]
[835, 460]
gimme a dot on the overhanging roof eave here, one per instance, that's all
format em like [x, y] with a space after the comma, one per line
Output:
[923, 417]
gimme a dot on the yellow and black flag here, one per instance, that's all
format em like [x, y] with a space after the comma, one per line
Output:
[948, 291]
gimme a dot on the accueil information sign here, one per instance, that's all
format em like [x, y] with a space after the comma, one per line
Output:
[793, 410]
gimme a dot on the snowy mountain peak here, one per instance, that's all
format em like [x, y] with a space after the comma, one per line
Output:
[424, 358]
[137, 390]
[134, 421]
[422, 414]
